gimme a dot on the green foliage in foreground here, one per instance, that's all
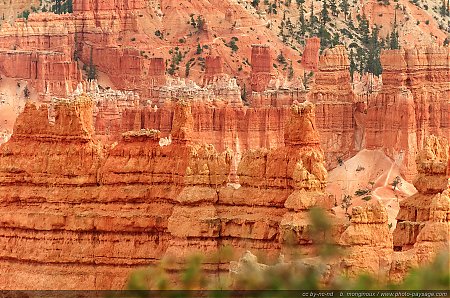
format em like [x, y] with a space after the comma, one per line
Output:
[432, 277]
[284, 276]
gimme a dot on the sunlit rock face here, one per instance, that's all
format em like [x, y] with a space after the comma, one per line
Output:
[412, 104]
[89, 211]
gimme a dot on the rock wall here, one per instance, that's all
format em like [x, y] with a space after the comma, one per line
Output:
[40, 50]
[368, 242]
[279, 97]
[334, 99]
[213, 69]
[412, 104]
[43, 31]
[261, 67]
[423, 222]
[237, 128]
[124, 66]
[310, 57]
[103, 5]
[416, 210]
[157, 72]
[86, 215]
[50, 73]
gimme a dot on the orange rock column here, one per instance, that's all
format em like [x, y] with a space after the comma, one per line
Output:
[261, 67]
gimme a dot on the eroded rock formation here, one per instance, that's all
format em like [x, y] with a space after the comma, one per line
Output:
[412, 104]
[368, 242]
[213, 69]
[415, 211]
[86, 213]
[40, 51]
[423, 222]
[334, 100]
[261, 67]
[310, 57]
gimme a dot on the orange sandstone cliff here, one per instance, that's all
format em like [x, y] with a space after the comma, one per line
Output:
[412, 104]
[334, 99]
[423, 221]
[86, 215]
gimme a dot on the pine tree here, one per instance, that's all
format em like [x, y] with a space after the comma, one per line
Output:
[199, 49]
[312, 22]
[92, 74]
[443, 9]
[324, 13]
[75, 48]
[373, 59]
[290, 27]
[291, 72]
[302, 21]
[364, 30]
[283, 36]
[394, 43]
[69, 6]
[281, 59]
[345, 8]
[200, 23]
[336, 40]
[56, 8]
[360, 57]
[393, 40]
[282, 24]
[325, 37]
[188, 69]
[255, 3]
[300, 2]
[352, 63]
[334, 8]
[382, 43]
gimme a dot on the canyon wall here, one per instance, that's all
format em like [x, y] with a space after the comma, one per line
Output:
[40, 51]
[213, 69]
[125, 67]
[334, 98]
[423, 222]
[102, 6]
[237, 128]
[432, 183]
[310, 57]
[413, 103]
[261, 61]
[86, 215]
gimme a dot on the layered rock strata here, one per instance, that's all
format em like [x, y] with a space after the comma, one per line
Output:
[368, 242]
[213, 69]
[422, 230]
[334, 100]
[432, 196]
[310, 57]
[261, 67]
[85, 215]
[412, 104]
[238, 128]
[41, 52]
